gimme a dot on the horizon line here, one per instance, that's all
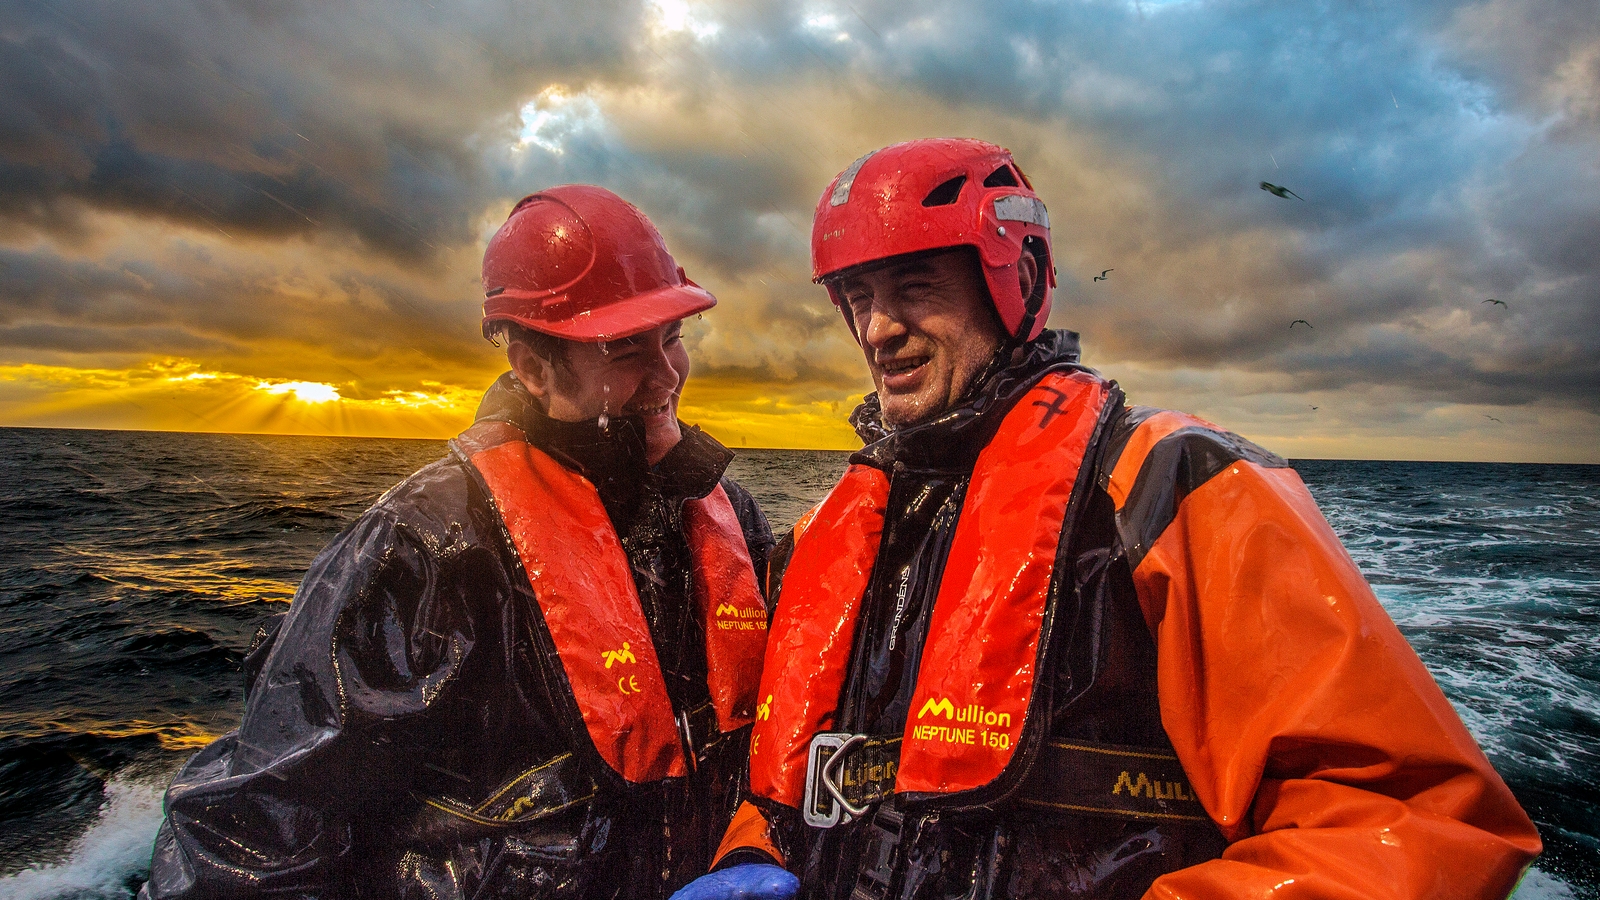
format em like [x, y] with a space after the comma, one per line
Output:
[378, 437]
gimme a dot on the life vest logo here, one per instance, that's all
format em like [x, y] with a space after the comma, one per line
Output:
[1155, 790]
[625, 655]
[972, 713]
[1053, 408]
[973, 728]
[735, 618]
[764, 709]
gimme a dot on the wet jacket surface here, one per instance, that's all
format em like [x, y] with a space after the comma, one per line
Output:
[413, 676]
[1208, 610]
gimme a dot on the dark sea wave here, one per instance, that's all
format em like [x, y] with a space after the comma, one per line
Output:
[135, 568]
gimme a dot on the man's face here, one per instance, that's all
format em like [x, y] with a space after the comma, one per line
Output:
[640, 376]
[926, 328]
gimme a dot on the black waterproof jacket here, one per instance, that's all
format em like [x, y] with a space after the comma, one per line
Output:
[413, 674]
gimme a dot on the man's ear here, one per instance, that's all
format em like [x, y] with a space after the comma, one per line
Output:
[1027, 273]
[534, 371]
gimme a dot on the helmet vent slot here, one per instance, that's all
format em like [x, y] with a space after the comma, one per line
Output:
[1001, 177]
[945, 194]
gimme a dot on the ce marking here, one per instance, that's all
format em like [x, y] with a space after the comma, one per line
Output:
[628, 684]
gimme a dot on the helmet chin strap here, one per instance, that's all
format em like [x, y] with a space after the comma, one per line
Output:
[1002, 354]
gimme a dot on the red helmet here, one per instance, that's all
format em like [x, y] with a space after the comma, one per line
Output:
[581, 263]
[930, 194]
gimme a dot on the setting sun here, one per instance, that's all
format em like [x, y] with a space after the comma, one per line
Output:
[307, 391]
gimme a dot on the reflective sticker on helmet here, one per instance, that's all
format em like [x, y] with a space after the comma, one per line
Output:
[1017, 208]
[841, 190]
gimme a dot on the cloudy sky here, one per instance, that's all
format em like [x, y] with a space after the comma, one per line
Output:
[268, 215]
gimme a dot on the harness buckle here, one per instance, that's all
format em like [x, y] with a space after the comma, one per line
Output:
[824, 805]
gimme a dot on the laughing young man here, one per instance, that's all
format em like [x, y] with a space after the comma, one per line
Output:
[529, 669]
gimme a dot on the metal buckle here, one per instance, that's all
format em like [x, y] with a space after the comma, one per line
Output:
[824, 805]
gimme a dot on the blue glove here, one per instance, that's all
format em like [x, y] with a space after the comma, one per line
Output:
[748, 881]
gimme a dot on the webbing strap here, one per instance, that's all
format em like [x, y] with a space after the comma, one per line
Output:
[1112, 780]
[1073, 777]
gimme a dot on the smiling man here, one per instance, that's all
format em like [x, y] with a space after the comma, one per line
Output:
[529, 669]
[1039, 642]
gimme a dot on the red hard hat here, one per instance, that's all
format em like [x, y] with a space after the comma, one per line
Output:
[931, 194]
[581, 263]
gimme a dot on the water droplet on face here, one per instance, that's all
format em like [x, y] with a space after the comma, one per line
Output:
[603, 350]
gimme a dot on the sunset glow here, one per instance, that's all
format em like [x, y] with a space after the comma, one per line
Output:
[304, 391]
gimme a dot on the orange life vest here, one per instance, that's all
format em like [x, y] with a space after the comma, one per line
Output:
[584, 586]
[979, 662]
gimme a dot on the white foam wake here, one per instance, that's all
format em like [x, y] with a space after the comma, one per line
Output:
[100, 863]
[1536, 885]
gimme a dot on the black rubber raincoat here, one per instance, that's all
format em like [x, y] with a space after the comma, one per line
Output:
[412, 675]
[1203, 611]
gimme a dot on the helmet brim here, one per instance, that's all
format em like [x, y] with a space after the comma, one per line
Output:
[625, 318]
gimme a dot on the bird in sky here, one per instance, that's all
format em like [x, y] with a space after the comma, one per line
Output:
[1496, 302]
[1278, 190]
[1492, 418]
[1313, 407]
[1300, 322]
[1102, 275]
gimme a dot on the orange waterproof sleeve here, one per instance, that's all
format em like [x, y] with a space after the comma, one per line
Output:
[747, 830]
[1310, 729]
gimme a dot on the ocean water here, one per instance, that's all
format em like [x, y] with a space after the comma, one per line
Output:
[135, 567]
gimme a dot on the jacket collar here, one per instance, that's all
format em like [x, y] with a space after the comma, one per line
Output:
[613, 457]
[953, 439]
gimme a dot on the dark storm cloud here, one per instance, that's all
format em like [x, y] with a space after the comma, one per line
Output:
[261, 118]
[1444, 151]
[733, 212]
[187, 303]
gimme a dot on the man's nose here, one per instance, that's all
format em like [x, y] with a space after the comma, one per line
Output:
[659, 370]
[882, 326]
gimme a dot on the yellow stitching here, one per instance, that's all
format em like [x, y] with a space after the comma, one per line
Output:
[1119, 811]
[1114, 752]
[480, 820]
[518, 780]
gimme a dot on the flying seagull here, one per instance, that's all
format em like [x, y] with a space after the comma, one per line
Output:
[1102, 275]
[1492, 418]
[1496, 302]
[1300, 322]
[1278, 190]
